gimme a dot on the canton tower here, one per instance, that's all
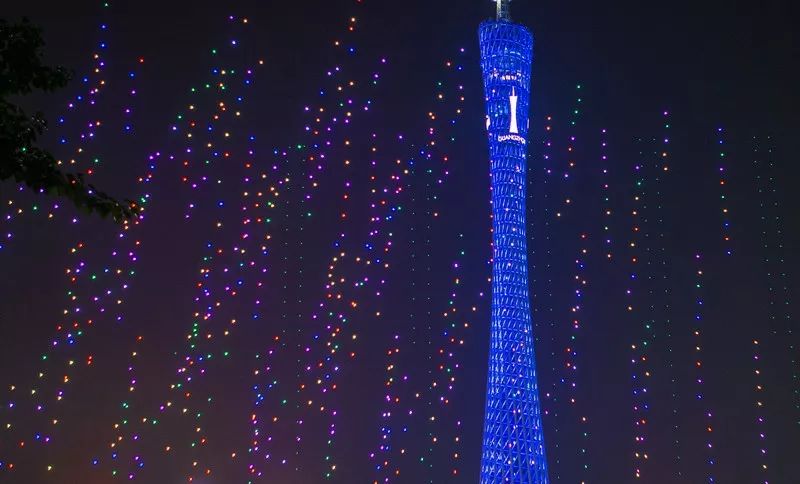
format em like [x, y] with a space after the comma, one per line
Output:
[513, 443]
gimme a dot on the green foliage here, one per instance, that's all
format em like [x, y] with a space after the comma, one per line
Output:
[21, 72]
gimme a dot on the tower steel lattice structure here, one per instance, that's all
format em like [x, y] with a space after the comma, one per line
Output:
[513, 441]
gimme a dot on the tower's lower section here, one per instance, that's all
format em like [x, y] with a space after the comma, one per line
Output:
[513, 443]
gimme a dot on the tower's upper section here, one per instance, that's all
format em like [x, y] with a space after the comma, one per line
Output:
[503, 10]
[506, 58]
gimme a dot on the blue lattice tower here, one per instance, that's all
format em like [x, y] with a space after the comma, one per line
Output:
[513, 443]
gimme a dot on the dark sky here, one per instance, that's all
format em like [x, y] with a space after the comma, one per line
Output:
[392, 207]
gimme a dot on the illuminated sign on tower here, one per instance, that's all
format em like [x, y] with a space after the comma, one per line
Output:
[513, 443]
[512, 106]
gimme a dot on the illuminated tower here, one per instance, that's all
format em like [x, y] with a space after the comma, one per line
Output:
[513, 444]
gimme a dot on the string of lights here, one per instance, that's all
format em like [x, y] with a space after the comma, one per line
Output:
[641, 366]
[760, 335]
[698, 332]
[778, 278]
[571, 374]
[660, 287]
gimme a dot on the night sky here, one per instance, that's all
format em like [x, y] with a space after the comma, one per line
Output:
[306, 298]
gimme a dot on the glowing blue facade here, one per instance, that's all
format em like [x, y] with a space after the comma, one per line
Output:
[513, 444]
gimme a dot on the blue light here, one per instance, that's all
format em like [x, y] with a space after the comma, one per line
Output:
[513, 442]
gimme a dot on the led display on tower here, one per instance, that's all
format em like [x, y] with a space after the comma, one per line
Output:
[513, 443]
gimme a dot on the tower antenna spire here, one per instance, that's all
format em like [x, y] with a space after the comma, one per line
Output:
[504, 10]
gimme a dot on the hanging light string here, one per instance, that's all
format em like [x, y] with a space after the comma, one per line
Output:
[778, 277]
[660, 289]
[698, 331]
[759, 154]
[580, 285]
[638, 315]
[542, 282]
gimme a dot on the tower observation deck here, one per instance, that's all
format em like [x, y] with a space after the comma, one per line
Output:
[513, 442]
